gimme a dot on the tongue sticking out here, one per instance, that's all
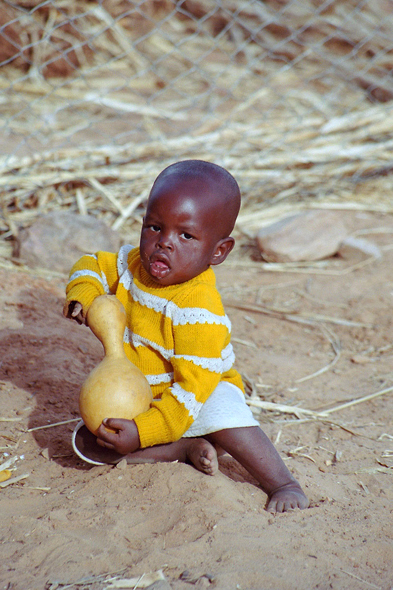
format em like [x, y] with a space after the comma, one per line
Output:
[159, 269]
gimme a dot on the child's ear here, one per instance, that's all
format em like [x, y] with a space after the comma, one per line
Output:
[222, 249]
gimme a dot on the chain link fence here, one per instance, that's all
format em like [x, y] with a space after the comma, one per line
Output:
[294, 97]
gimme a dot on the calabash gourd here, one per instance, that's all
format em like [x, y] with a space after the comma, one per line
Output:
[116, 388]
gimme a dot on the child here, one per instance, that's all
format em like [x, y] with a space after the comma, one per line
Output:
[179, 335]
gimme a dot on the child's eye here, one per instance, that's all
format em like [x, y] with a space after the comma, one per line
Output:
[155, 228]
[187, 236]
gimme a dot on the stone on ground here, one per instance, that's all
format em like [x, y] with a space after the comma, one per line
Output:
[308, 236]
[56, 240]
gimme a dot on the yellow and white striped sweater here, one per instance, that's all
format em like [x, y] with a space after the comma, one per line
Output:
[178, 335]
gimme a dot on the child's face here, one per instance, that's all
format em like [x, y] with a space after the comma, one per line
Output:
[180, 234]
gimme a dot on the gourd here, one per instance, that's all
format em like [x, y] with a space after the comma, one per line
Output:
[116, 388]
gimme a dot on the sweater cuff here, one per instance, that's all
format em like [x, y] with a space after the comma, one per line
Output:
[84, 294]
[152, 429]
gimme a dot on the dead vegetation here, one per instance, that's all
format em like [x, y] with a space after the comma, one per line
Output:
[99, 97]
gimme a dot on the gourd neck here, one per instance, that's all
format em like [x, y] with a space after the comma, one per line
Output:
[114, 349]
[109, 329]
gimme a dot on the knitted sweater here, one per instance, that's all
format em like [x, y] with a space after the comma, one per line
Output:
[178, 335]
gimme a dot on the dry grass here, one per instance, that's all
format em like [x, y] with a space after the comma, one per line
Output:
[298, 136]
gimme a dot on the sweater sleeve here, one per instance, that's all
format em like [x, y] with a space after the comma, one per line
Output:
[202, 352]
[95, 274]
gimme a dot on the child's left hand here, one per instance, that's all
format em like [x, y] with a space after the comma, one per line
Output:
[124, 440]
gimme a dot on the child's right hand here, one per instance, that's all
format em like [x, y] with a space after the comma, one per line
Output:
[122, 438]
[74, 311]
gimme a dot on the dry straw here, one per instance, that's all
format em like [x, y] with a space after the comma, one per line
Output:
[295, 136]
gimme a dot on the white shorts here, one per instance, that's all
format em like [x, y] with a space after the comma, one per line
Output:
[225, 408]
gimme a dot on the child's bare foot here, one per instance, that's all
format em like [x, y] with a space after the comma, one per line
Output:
[197, 451]
[288, 497]
[202, 455]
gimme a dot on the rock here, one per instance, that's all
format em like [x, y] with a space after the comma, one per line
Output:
[45, 453]
[122, 464]
[312, 235]
[362, 245]
[56, 241]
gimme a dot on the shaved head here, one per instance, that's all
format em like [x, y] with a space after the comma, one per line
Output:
[217, 190]
[190, 214]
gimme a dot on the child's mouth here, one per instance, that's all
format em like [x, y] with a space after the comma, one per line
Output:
[159, 269]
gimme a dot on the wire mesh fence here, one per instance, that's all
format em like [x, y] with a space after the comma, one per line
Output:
[294, 97]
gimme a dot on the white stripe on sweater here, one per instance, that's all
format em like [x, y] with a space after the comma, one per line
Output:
[216, 365]
[179, 316]
[122, 258]
[188, 399]
[90, 273]
[126, 280]
[197, 315]
[158, 379]
[137, 340]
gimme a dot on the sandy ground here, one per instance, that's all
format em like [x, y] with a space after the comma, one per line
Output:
[72, 525]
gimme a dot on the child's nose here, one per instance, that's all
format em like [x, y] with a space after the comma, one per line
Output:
[165, 241]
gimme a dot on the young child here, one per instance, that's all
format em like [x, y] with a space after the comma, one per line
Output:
[179, 335]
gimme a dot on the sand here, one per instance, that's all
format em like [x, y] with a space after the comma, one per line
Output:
[70, 525]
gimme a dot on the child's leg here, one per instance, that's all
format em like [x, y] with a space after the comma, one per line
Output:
[253, 449]
[197, 451]
[250, 447]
